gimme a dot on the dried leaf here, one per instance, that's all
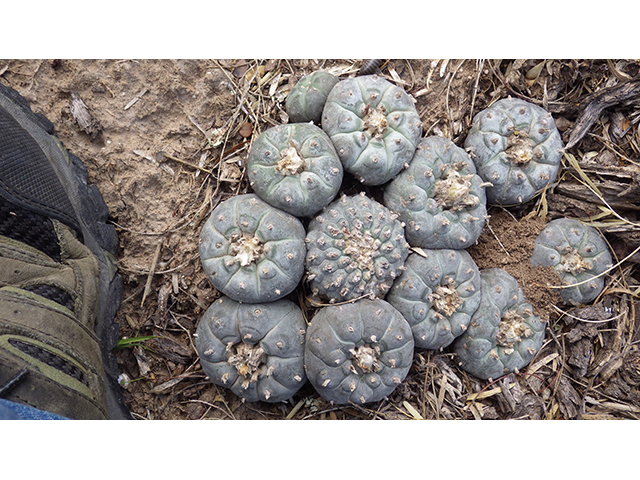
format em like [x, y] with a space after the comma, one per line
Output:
[246, 129]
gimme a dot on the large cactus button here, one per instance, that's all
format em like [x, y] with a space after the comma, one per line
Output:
[437, 293]
[504, 334]
[517, 147]
[578, 253]
[255, 350]
[374, 126]
[295, 168]
[439, 197]
[252, 252]
[358, 352]
[355, 248]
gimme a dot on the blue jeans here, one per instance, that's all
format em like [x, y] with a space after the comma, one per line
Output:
[16, 411]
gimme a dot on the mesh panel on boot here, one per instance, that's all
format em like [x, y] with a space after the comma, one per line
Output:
[50, 359]
[26, 173]
[28, 227]
[53, 293]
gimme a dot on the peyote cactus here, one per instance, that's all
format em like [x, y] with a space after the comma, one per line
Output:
[439, 197]
[374, 126]
[355, 248]
[307, 98]
[504, 334]
[578, 253]
[256, 350]
[252, 252]
[358, 352]
[295, 168]
[517, 147]
[437, 293]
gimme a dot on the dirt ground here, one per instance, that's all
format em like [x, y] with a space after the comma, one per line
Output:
[167, 140]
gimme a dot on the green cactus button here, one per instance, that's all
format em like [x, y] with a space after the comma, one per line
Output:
[578, 253]
[295, 168]
[439, 197]
[255, 350]
[252, 252]
[306, 100]
[374, 126]
[517, 148]
[504, 334]
[438, 293]
[358, 352]
[355, 248]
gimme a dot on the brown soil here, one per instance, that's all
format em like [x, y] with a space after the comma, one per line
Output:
[168, 140]
[507, 243]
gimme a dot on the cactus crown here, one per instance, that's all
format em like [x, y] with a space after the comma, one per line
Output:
[512, 329]
[245, 249]
[375, 122]
[452, 191]
[248, 361]
[291, 162]
[365, 358]
[572, 262]
[445, 299]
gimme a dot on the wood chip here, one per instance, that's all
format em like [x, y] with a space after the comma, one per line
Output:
[83, 117]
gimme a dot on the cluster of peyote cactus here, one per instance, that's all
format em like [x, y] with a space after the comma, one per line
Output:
[376, 302]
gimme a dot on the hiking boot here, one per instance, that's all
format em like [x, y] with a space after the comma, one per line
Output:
[59, 290]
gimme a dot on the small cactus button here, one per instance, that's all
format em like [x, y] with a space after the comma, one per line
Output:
[517, 148]
[295, 168]
[374, 126]
[504, 334]
[439, 197]
[355, 248]
[437, 293]
[306, 100]
[251, 251]
[255, 350]
[578, 253]
[358, 352]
